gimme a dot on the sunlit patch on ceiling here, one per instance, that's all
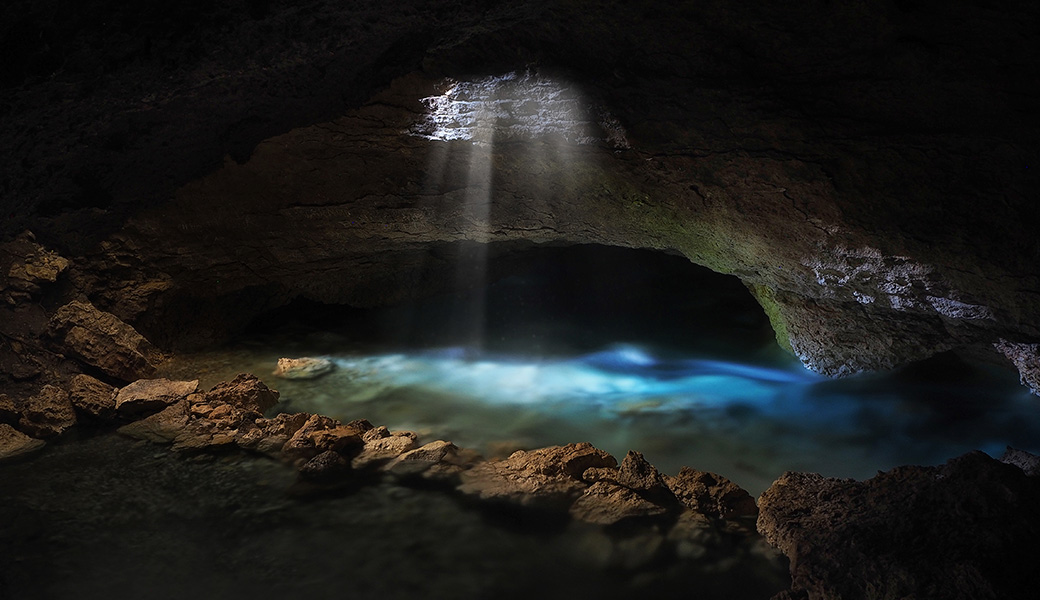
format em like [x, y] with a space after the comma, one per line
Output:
[517, 107]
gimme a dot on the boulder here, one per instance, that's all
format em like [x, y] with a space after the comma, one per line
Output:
[14, 443]
[101, 340]
[605, 503]
[48, 413]
[959, 531]
[150, 395]
[382, 446]
[549, 478]
[302, 368]
[245, 391]
[92, 397]
[711, 494]
[319, 434]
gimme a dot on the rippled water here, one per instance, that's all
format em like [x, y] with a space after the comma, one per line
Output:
[698, 382]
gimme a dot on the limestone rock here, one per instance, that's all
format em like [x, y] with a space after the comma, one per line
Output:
[48, 413]
[637, 474]
[605, 503]
[960, 531]
[302, 368]
[27, 266]
[382, 446]
[437, 460]
[245, 391]
[9, 412]
[548, 478]
[92, 397]
[101, 340]
[711, 494]
[14, 443]
[270, 435]
[321, 433]
[163, 427]
[1029, 463]
[149, 395]
[325, 467]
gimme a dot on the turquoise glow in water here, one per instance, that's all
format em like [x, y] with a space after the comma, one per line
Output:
[697, 382]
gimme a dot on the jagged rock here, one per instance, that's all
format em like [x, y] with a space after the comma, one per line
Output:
[9, 412]
[435, 460]
[544, 478]
[245, 391]
[27, 266]
[48, 413]
[1026, 358]
[302, 368]
[637, 474]
[92, 397]
[101, 340]
[382, 446]
[711, 494]
[321, 433]
[605, 503]
[14, 443]
[325, 467]
[270, 435]
[1029, 463]
[149, 395]
[959, 531]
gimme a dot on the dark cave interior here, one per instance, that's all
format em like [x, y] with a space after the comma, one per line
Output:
[781, 249]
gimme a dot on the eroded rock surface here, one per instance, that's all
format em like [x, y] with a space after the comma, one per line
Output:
[92, 396]
[101, 340]
[963, 530]
[151, 395]
[48, 413]
[15, 444]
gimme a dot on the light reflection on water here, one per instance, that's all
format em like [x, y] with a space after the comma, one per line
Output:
[749, 422]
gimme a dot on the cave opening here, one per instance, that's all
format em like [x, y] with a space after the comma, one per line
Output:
[625, 348]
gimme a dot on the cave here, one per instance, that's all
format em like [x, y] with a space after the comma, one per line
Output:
[729, 297]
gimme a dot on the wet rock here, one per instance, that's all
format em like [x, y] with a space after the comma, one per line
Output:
[92, 397]
[711, 494]
[1029, 463]
[549, 478]
[435, 460]
[319, 434]
[48, 413]
[325, 467]
[382, 446]
[149, 395]
[605, 503]
[101, 340]
[14, 443]
[958, 531]
[302, 368]
[270, 435]
[245, 391]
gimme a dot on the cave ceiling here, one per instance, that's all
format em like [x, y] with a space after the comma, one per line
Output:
[864, 167]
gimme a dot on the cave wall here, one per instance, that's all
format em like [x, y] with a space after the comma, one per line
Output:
[863, 167]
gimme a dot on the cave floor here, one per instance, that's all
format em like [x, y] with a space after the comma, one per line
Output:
[103, 517]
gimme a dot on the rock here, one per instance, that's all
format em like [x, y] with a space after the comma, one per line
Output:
[101, 340]
[9, 413]
[382, 446]
[963, 530]
[302, 368]
[325, 467]
[1026, 358]
[270, 435]
[637, 474]
[28, 265]
[163, 427]
[711, 494]
[432, 461]
[92, 397]
[320, 434]
[605, 503]
[1029, 463]
[150, 395]
[245, 391]
[14, 443]
[48, 413]
[547, 478]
